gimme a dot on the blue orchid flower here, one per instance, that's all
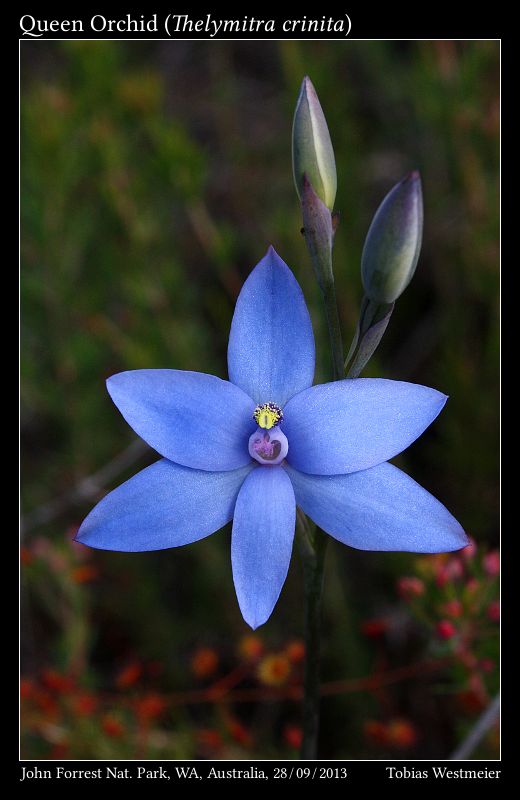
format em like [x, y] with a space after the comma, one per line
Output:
[253, 448]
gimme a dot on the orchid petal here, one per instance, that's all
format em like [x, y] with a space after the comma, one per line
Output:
[261, 543]
[271, 343]
[354, 424]
[164, 505]
[381, 508]
[194, 419]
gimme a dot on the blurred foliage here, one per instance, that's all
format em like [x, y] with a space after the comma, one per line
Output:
[154, 176]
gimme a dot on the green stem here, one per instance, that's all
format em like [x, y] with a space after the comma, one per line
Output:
[333, 324]
[313, 553]
[319, 229]
[313, 563]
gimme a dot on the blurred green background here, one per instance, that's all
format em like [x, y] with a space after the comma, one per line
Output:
[154, 176]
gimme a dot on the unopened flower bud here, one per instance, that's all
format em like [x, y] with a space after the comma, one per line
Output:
[493, 611]
[312, 148]
[491, 562]
[393, 242]
[453, 608]
[452, 569]
[445, 629]
[410, 587]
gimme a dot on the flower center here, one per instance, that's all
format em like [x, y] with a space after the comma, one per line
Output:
[267, 415]
[268, 447]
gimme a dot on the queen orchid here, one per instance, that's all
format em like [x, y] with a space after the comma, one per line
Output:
[255, 447]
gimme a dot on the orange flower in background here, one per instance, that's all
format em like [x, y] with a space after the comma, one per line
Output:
[274, 670]
[250, 648]
[129, 675]
[150, 707]
[401, 734]
[398, 733]
[85, 573]
[204, 662]
[293, 736]
[295, 651]
[112, 726]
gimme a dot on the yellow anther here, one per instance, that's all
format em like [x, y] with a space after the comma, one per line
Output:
[267, 415]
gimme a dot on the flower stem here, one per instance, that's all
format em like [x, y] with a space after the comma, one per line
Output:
[313, 563]
[336, 342]
[319, 228]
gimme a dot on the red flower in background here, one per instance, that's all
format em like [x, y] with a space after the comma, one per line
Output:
[250, 647]
[295, 651]
[445, 629]
[112, 726]
[410, 587]
[293, 736]
[150, 707]
[129, 675]
[204, 662]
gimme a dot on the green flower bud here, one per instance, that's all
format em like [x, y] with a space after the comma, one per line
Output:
[393, 242]
[319, 234]
[312, 149]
